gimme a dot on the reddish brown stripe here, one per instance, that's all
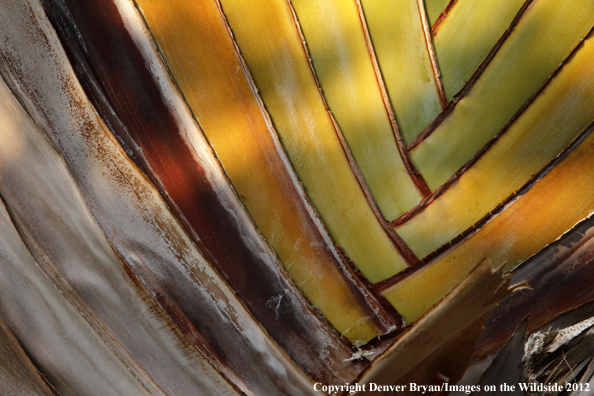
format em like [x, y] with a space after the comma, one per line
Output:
[442, 16]
[152, 133]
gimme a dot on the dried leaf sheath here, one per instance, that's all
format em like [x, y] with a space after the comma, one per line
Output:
[560, 112]
[518, 69]
[133, 215]
[61, 342]
[176, 156]
[271, 45]
[559, 279]
[18, 374]
[507, 366]
[522, 228]
[400, 45]
[71, 248]
[336, 42]
[226, 105]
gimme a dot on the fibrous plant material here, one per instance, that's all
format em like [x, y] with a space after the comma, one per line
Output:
[560, 112]
[65, 347]
[177, 158]
[403, 52]
[19, 376]
[523, 227]
[60, 232]
[557, 280]
[339, 50]
[517, 70]
[271, 45]
[234, 121]
[133, 215]
[558, 356]
[467, 35]
[195, 218]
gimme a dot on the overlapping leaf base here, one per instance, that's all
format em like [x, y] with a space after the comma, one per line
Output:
[225, 197]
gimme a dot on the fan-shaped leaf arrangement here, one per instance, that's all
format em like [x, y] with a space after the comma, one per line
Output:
[274, 197]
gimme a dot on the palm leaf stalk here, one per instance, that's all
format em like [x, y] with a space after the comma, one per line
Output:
[262, 198]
